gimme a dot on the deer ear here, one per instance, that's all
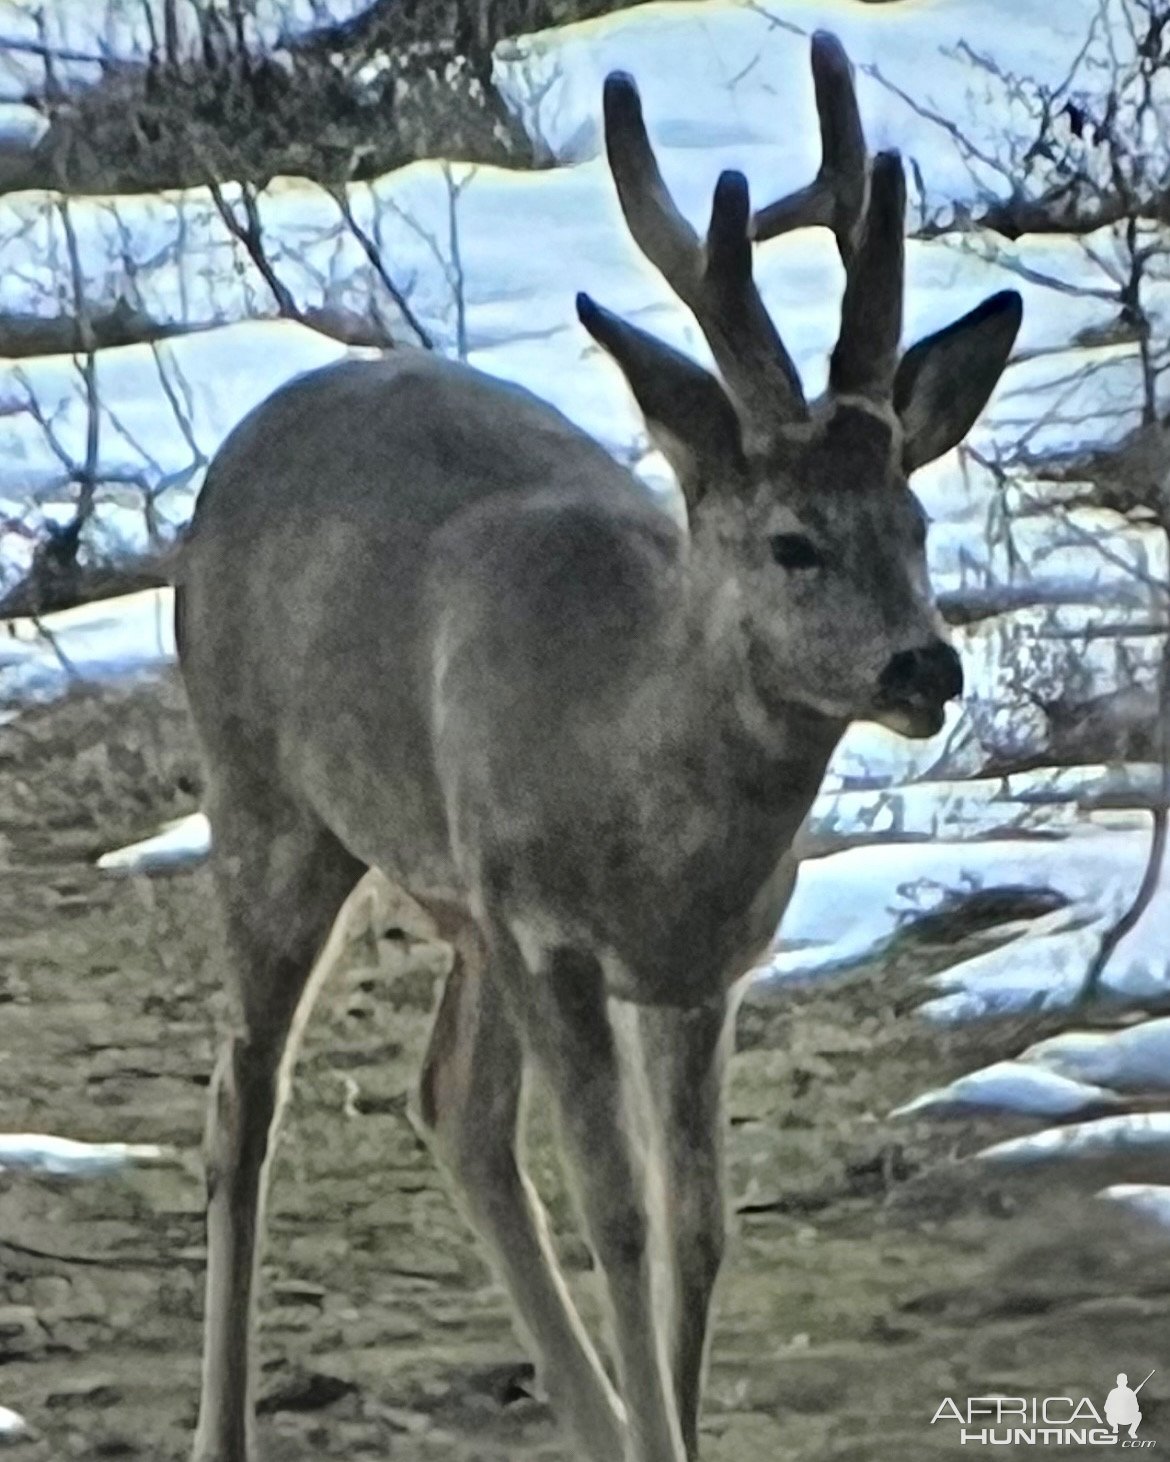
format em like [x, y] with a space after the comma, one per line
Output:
[687, 412]
[943, 382]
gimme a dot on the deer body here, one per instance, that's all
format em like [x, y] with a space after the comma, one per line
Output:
[430, 628]
[494, 624]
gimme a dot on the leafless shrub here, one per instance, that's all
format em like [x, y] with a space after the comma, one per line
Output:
[406, 79]
[1090, 156]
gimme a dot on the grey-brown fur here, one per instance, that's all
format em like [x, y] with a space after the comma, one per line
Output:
[429, 627]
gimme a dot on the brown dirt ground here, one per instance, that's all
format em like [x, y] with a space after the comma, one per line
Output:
[873, 1272]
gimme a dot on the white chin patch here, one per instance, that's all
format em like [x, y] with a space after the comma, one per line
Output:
[918, 723]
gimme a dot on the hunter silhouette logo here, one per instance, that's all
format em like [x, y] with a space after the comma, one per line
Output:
[1121, 1405]
[1042, 1421]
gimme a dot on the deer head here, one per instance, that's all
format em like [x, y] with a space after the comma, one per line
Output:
[807, 505]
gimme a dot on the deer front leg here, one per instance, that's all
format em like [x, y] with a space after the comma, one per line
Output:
[560, 997]
[282, 883]
[684, 1056]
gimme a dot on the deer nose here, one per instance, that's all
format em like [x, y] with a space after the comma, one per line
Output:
[932, 673]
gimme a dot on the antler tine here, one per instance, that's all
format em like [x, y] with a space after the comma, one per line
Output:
[866, 353]
[714, 280]
[836, 197]
[865, 207]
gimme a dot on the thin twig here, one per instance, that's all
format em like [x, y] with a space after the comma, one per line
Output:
[1152, 875]
[250, 234]
[455, 273]
[374, 254]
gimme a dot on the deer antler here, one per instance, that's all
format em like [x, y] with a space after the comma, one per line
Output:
[714, 279]
[865, 208]
[866, 353]
[836, 196]
[863, 205]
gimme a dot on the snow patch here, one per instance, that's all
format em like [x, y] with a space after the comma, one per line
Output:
[64, 1157]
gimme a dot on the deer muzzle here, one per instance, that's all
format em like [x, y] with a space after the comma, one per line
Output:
[915, 686]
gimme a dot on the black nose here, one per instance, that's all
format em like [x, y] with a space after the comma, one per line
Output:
[931, 673]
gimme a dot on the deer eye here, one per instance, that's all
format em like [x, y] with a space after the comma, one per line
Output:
[795, 551]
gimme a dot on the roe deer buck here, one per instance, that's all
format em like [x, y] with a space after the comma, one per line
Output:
[430, 628]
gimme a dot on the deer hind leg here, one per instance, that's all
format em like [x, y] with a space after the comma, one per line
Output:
[469, 1105]
[684, 1054]
[559, 995]
[282, 879]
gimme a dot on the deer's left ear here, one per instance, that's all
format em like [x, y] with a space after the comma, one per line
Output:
[943, 383]
[687, 412]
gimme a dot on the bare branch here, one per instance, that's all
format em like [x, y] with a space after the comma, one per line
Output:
[1152, 874]
[249, 233]
[374, 254]
[454, 190]
[24, 335]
